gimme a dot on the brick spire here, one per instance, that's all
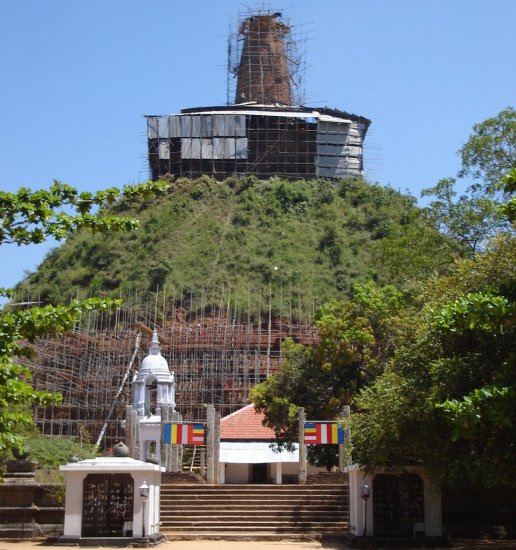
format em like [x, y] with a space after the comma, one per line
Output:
[262, 74]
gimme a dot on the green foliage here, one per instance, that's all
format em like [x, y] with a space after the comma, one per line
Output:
[489, 404]
[16, 330]
[478, 214]
[471, 219]
[477, 310]
[52, 452]
[305, 240]
[357, 339]
[431, 369]
[490, 152]
[508, 209]
[33, 216]
[447, 398]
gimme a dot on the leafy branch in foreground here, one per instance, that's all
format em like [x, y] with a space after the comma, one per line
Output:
[17, 330]
[33, 216]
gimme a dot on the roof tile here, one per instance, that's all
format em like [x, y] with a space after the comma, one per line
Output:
[245, 424]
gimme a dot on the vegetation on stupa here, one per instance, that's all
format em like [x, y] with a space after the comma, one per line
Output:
[247, 234]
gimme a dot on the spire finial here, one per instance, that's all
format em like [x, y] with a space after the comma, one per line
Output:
[154, 348]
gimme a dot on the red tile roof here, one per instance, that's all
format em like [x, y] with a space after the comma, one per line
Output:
[245, 424]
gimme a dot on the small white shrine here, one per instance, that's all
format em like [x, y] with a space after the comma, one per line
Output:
[111, 498]
[153, 390]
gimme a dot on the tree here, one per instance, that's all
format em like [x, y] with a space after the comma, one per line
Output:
[475, 216]
[447, 398]
[356, 340]
[471, 219]
[490, 152]
[30, 217]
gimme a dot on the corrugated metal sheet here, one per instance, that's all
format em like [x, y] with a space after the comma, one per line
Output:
[240, 126]
[186, 126]
[219, 148]
[186, 148]
[332, 149]
[207, 126]
[174, 126]
[241, 148]
[196, 130]
[163, 127]
[164, 149]
[206, 148]
[152, 127]
[216, 148]
[339, 150]
[328, 118]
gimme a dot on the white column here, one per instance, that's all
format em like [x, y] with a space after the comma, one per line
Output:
[433, 510]
[73, 504]
[278, 473]
[358, 512]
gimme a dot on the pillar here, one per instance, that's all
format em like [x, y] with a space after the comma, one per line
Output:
[278, 473]
[210, 444]
[302, 447]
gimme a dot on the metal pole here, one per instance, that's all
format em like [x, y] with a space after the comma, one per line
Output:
[143, 521]
[365, 517]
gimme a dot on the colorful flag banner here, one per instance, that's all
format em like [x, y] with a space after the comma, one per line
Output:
[320, 433]
[184, 434]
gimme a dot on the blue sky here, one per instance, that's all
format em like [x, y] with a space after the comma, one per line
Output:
[78, 76]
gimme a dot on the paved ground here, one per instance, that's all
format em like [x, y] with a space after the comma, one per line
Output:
[273, 545]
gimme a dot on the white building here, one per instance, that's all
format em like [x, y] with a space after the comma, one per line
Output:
[247, 452]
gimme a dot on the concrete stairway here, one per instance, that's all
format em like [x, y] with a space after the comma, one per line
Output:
[254, 511]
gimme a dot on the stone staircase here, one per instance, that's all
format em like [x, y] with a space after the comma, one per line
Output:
[193, 511]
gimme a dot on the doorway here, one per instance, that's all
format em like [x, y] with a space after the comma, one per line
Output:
[107, 505]
[398, 505]
[259, 473]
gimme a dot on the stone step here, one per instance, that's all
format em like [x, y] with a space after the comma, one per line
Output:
[276, 513]
[237, 498]
[254, 487]
[255, 525]
[263, 510]
[251, 507]
[254, 496]
[243, 536]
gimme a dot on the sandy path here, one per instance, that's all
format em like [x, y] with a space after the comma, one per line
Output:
[196, 545]
[463, 544]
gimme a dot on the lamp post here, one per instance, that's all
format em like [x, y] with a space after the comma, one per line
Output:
[144, 495]
[365, 497]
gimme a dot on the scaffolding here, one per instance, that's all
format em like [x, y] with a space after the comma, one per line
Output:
[265, 61]
[217, 354]
[266, 131]
[264, 141]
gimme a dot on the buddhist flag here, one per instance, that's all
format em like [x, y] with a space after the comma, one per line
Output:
[184, 434]
[320, 433]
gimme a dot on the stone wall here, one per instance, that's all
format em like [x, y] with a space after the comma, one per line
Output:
[28, 509]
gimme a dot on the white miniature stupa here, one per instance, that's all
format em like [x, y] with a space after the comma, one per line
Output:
[153, 388]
